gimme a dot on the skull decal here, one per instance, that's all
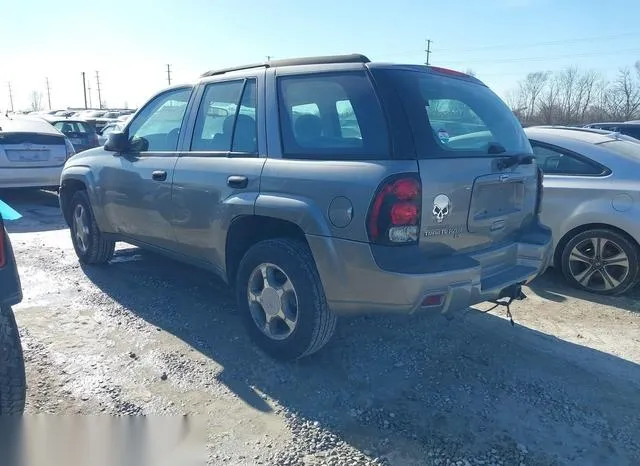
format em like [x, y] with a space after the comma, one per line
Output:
[441, 207]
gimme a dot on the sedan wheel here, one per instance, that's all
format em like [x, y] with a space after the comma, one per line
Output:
[601, 261]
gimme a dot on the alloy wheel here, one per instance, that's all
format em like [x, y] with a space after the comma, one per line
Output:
[81, 227]
[599, 264]
[273, 301]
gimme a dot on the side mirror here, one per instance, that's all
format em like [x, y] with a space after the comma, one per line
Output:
[117, 141]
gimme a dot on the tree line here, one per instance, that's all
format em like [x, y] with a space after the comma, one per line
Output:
[575, 97]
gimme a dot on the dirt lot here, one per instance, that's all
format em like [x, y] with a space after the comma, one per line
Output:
[146, 335]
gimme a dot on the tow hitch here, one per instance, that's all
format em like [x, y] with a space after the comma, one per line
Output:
[507, 297]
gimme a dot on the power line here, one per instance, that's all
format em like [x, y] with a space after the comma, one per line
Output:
[537, 44]
[98, 87]
[169, 74]
[552, 57]
[48, 92]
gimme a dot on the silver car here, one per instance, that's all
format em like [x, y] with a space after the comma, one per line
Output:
[32, 153]
[592, 204]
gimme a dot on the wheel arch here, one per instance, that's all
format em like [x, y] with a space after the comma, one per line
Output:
[247, 230]
[81, 178]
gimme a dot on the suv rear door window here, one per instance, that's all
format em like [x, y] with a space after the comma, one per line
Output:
[455, 117]
[226, 120]
[331, 116]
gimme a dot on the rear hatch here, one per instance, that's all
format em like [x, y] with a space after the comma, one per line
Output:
[29, 144]
[479, 177]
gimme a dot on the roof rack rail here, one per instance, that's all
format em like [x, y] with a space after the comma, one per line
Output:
[322, 60]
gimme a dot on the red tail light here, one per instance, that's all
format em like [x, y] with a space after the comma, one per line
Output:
[540, 191]
[394, 215]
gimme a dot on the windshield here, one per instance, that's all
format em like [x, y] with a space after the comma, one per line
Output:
[452, 117]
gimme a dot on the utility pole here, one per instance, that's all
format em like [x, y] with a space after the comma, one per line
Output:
[84, 88]
[10, 96]
[428, 50]
[169, 74]
[89, 91]
[48, 92]
[98, 87]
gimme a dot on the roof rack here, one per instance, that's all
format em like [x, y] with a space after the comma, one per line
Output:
[322, 60]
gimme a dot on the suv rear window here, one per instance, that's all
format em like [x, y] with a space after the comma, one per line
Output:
[331, 116]
[455, 117]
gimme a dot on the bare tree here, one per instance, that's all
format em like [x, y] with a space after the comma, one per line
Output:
[627, 92]
[549, 112]
[36, 101]
[530, 90]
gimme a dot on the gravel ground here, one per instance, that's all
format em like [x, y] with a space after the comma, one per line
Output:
[146, 335]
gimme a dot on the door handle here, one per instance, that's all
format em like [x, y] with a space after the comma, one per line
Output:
[159, 175]
[237, 181]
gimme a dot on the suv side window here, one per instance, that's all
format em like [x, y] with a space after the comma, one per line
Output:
[157, 127]
[226, 120]
[331, 116]
[554, 161]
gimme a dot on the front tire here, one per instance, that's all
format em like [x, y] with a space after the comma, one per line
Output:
[281, 299]
[600, 261]
[13, 387]
[90, 245]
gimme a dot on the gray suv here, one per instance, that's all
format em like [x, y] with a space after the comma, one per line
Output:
[320, 187]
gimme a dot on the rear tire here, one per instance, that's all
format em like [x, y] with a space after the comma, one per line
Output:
[291, 319]
[88, 241]
[13, 387]
[600, 261]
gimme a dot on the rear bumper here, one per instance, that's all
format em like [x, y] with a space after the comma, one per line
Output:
[30, 177]
[355, 284]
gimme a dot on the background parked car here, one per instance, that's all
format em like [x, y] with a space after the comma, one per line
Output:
[629, 128]
[105, 119]
[592, 204]
[32, 153]
[108, 129]
[80, 133]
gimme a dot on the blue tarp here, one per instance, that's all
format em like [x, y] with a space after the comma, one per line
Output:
[7, 212]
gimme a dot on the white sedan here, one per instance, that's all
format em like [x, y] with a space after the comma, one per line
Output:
[32, 153]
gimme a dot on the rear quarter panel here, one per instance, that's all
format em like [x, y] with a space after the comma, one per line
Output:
[302, 192]
[573, 201]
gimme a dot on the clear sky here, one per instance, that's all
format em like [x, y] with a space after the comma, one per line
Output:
[131, 42]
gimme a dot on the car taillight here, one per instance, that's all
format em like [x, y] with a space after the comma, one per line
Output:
[70, 149]
[394, 215]
[540, 191]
